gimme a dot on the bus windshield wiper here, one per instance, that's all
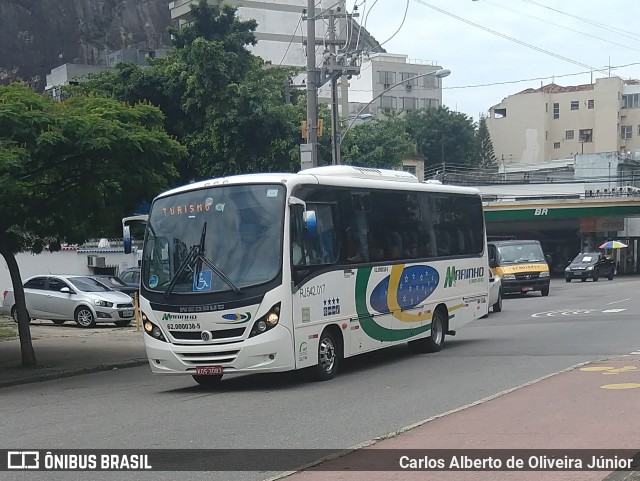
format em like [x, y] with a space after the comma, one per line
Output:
[202, 258]
[183, 265]
[196, 252]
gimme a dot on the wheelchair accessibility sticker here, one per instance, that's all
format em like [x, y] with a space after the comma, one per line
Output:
[202, 282]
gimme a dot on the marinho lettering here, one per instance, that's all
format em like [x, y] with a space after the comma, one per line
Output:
[178, 317]
[454, 275]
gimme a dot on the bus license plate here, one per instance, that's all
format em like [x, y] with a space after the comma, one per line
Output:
[208, 370]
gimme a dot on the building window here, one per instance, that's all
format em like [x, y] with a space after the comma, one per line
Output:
[568, 135]
[638, 130]
[556, 111]
[590, 104]
[430, 81]
[626, 132]
[586, 135]
[388, 78]
[429, 103]
[556, 145]
[404, 76]
[631, 101]
[575, 105]
[409, 103]
[388, 102]
[546, 135]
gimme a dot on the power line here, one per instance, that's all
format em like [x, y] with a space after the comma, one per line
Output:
[401, 24]
[507, 37]
[560, 26]
[586, 20]
[291, 41]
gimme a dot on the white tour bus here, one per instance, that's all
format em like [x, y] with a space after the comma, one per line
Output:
[275, 272]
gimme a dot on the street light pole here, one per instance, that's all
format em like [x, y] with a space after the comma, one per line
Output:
[312, 87]
[443, 72]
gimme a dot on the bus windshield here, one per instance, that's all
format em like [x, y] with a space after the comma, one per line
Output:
[214, 239]
[520, 254]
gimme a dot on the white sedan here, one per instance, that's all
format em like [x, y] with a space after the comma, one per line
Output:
[495, 292]
[79, 298]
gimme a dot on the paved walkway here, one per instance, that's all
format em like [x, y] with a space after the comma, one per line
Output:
[596, 406]
[69, 350]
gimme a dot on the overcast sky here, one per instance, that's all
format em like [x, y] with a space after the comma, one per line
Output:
[496, 48]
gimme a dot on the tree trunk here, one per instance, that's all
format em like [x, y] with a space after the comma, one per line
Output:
[26, 346]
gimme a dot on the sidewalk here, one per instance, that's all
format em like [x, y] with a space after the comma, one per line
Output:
[595, 406]
[68, 350]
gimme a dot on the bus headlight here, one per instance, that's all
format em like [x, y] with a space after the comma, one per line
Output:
[509, 277]
[544, 274]
[151, 329]
[266, 322]
[590, 268]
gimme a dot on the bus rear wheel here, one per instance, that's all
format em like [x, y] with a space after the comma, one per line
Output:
[434, 342]
[328, 358]
[207, 381]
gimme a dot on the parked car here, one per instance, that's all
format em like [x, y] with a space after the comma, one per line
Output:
[63, 298]
[115, 283]
[590, 265]
[131, 276]
[495, 292]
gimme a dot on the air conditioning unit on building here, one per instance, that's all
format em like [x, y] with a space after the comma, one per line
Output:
[95, 261]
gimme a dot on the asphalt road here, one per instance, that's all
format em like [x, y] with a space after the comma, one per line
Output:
[374, 394]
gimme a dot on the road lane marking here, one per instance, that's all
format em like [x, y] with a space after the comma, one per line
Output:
[614, 310]
[608, 369]
[624, 385]
[616, 302]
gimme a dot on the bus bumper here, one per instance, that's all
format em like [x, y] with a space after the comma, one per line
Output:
[271, 351]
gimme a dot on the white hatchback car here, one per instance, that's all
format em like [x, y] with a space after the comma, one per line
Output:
[61, 298]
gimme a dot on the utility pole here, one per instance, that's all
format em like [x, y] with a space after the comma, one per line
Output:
[335, 120]
[312, 89]
[334, 66]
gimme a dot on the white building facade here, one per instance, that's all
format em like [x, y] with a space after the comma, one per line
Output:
[383, 70]
[554, 122]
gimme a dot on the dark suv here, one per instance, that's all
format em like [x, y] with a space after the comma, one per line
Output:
[590, 265]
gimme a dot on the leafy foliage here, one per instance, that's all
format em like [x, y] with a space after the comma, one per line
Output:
[443, 136]
[219, 100]
[378, 143]
[486, 155]
[73, 169]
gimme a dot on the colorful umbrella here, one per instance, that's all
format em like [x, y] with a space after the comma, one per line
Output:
[613, 245]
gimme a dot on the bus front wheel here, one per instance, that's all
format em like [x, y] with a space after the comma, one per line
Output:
[327, 366]
[434, 342]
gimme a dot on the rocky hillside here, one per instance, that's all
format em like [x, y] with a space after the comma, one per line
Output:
[39, 35]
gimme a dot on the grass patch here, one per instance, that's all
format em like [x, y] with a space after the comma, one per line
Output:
[8, 332]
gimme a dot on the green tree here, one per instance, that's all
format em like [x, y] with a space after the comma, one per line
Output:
[378, 143]
[220, 101]
[73, 169]
[442, 136]
[486, 155]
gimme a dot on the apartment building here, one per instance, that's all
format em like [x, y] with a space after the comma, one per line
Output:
[383, 70]
[555, 122]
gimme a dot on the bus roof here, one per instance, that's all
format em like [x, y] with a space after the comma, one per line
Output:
[336, 175]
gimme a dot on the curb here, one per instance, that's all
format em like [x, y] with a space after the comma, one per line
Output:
[49, 376]
[376, 440]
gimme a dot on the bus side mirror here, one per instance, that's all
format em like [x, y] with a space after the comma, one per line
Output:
[310, 224]
[548, 259]
[493, 263]
[126, 238]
